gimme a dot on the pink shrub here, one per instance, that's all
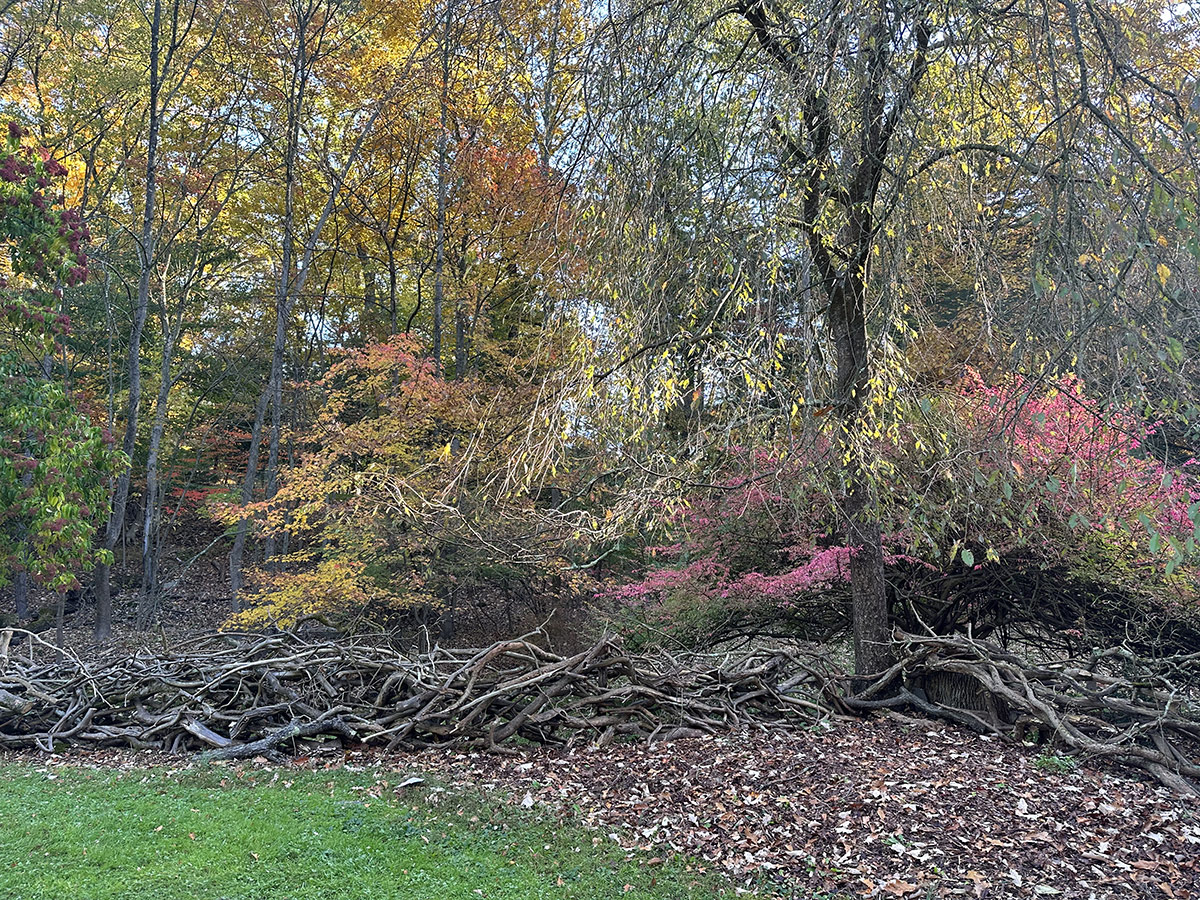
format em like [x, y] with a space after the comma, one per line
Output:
[990, 476]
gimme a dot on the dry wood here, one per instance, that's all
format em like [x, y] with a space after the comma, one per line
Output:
[1113, 705]
[244, 695]
[249, 695]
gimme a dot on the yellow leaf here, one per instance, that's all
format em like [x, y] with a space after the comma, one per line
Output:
[1163, 274]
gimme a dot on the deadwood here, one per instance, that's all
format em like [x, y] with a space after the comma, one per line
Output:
[265, 695]
[1113, 705]
[238, 696]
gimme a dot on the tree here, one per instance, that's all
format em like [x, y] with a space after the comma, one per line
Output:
[840, 103]
[53, 460]
[172, 50]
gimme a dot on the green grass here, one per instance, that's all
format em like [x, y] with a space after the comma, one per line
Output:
[252, 834]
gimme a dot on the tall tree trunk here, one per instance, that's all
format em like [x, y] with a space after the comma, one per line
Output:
[370, 302]
[439, 264]
[548, 112]
[285, 293]
[868, 588]
[116, 520]
[20, 586]
[275, 389]
[148, 596]
[237, 553]
[460, 340]
[392, 291]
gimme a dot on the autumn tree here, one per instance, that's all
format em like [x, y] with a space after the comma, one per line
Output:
[835, 125]
[53, 459]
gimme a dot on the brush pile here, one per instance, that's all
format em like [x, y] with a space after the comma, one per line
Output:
[249, 695]
[239, 696]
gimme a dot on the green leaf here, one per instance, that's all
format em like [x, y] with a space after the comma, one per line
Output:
[968, 557]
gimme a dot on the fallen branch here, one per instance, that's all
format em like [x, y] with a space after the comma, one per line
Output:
[1113, 705]
[247, 696]
[240, 696]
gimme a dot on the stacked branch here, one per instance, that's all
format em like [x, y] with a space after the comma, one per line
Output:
[243, 696]
[1113, 705]
[266, 695]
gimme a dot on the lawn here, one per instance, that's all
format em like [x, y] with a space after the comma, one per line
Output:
[287, 834]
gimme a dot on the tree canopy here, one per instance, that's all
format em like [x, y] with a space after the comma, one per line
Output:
[700, 319]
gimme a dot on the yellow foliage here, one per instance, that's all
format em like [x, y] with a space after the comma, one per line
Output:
[329, 589]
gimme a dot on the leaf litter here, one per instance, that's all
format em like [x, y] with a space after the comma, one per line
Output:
[866, 808]
[872, 808]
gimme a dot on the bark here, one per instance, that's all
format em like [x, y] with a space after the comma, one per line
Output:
[368, 275]
[20, 586]
[21, 595]
[439, 264]
[868, 588]
[237, 553]
[841, 257]
[461, 363]
[247, 697]
[116, 520]
[285, 296]
[148, 595]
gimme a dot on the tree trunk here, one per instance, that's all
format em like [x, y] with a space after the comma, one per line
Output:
[370, 303]
[460, 341]
[116, 520]
[243, 527]
[21, 595]
[868, 588]
[60, 611]
[442, 187]
[148, 595]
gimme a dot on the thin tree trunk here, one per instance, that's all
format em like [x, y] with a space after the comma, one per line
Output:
[116, 521]
[148, 596]
[21, 595]
[20, 587]
[442, 187]
[460, 340]
[237, 553]
[392, 291]
[370, 301]
[285, 295]
[59, 613]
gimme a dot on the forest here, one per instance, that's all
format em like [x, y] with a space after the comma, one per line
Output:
[440, 374]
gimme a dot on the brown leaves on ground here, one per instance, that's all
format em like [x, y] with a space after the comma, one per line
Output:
[873, 808]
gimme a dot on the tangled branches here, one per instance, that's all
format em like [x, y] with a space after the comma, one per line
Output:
[241, 696]
[261, 695]
[1113, 705]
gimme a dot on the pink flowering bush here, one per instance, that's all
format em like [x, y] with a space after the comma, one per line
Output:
[1005, 507]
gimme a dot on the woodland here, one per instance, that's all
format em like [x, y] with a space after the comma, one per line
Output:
[447, 374]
